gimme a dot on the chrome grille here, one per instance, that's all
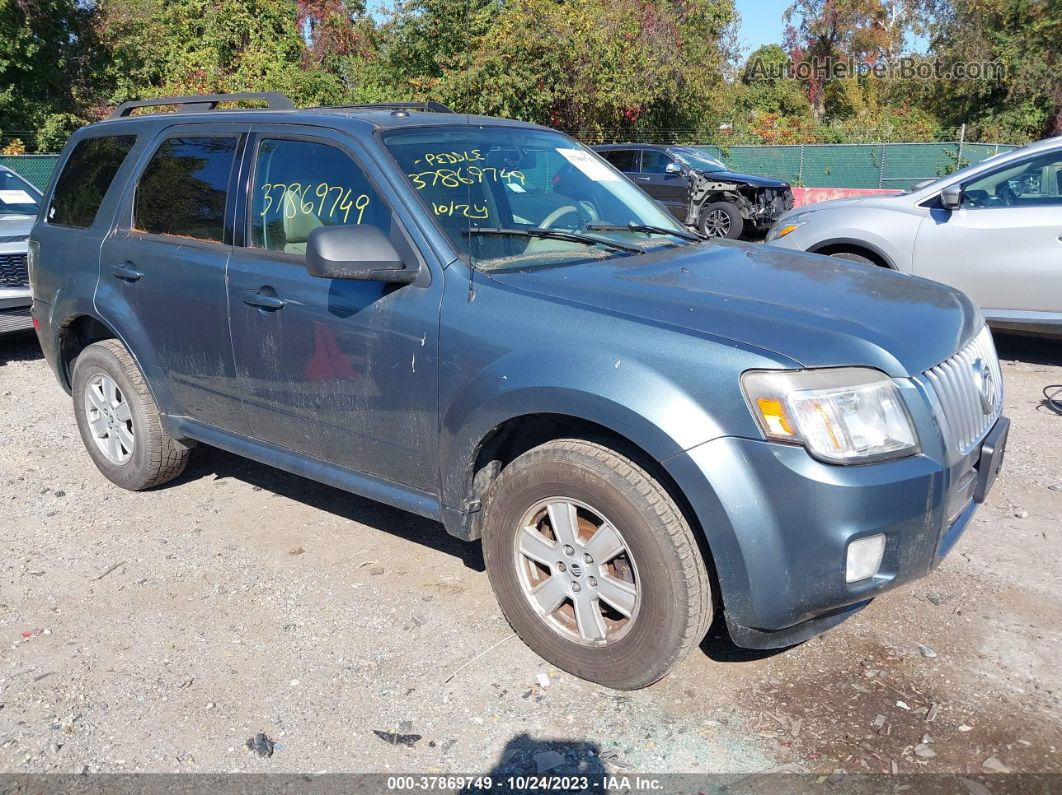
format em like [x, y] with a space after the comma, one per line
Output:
[969, 391]
[13, 271]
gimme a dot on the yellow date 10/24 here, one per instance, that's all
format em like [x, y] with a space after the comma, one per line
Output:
[311, 199]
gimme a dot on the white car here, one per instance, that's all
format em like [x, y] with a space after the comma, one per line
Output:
[993, 230]
[19, 202]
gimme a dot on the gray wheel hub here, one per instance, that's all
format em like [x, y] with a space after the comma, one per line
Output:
[109, 418]
[717, 224]
[577, 572]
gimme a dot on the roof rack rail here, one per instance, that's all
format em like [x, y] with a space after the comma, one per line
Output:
[205, 102]
[431, 107]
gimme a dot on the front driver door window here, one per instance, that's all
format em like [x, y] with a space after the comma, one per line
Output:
[341, 370]
[669, 188]
[1001, 246]
[1033, 182]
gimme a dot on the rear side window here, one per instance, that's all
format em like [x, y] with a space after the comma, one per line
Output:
[623, 159]
[88, 174]
[184, 188]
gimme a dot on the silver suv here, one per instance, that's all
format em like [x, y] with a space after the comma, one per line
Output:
[993, 230]
[19, 202]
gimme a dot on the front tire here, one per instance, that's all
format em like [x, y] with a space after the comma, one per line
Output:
[594, 565]
[851, 256]
[119, 421]
[721, 219]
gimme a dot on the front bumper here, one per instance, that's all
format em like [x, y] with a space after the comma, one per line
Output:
[15, 309]
[779, 523]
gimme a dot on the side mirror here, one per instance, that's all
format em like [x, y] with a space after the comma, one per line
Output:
[951, 197]
[672, 168]
[357, 253]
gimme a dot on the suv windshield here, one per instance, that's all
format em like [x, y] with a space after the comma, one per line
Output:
[694, 158]
[17, 197]
[514, 197]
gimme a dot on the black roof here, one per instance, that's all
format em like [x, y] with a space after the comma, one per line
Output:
[609, 147]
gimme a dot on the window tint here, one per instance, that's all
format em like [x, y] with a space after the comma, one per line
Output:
[1034, 182]
[654, 162]
[301, 185]
[623, 159]
[184, 187]
[88, 174]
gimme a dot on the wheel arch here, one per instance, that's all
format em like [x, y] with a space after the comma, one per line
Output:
[515, 435]
[74, 334]
[77, 331]
[850, 245]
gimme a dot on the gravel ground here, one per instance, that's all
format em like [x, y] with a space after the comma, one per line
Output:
[159, 631]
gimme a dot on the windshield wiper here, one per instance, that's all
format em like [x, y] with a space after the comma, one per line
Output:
[646, 228]
[553, 234]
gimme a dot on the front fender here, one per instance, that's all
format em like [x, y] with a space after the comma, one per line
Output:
[626, 396]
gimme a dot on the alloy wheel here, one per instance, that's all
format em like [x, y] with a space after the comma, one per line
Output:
[717, 224]
[109, 418]
[577, 572]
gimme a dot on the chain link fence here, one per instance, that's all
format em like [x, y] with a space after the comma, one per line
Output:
[889, 166]
[35, 168]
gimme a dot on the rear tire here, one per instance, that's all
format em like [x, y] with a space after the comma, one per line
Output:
[721, 219]
[659, 578]
[119, 421]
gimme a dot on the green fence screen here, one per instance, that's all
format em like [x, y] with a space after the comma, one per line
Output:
[896, 166]
[35, 168]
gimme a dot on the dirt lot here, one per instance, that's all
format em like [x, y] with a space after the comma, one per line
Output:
[159, 631]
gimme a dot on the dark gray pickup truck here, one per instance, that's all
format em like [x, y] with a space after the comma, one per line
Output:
[643, 428]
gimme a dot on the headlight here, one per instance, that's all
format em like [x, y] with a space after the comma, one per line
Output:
[842, 415]
[786, 226]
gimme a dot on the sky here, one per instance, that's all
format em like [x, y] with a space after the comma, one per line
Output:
[761, 22]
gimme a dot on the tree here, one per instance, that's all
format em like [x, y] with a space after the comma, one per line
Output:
[43, 48]
[824, 32]
[166, 47]
[599, 68]
[332, 28]
[770, 106]
[1024, 37]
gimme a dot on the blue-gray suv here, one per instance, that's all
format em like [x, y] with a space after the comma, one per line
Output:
[643, 428]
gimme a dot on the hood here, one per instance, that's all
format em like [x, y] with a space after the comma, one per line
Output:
[815, 310]
[881, 200]
[746, 179]
[14, 229]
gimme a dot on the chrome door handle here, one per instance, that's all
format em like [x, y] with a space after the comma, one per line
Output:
[267, 302]
[126, 272]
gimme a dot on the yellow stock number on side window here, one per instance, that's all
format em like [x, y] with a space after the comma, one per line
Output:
[312, 198]
[470, 175]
